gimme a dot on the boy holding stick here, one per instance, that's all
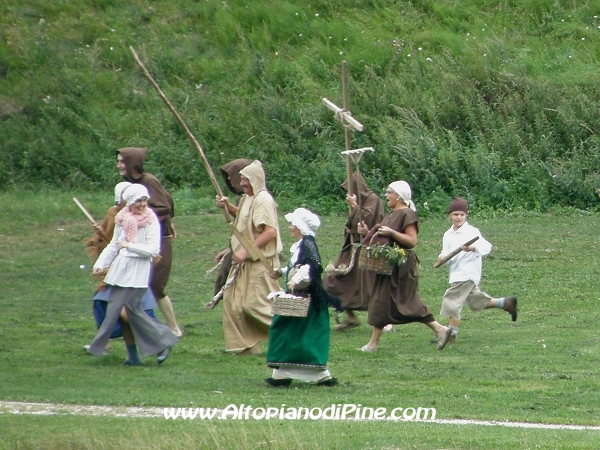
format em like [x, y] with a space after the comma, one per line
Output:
[465, 271]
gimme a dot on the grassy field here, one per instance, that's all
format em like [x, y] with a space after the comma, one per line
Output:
[541, 369]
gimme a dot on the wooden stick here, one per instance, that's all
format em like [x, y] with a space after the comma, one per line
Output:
[345, 117]
[453, 253]
[246, 241]
[188, 133]
[346, 106]
[85, 211]
[89, 216]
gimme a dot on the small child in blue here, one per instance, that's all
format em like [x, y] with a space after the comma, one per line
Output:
[465, 272]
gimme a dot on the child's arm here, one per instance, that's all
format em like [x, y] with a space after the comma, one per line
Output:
[482, 246]
[444, 259]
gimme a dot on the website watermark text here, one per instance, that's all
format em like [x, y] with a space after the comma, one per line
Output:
[334, 412]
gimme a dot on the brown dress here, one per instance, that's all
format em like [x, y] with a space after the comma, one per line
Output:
[395, 298]
[99, 241]
[353, 287]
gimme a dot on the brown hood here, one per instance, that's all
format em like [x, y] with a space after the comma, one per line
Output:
[359, 187]
[134, 158]
[231, 174]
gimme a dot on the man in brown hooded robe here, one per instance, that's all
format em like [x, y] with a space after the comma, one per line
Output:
[130, 162]
[346, 281]
[231, 175]
[247, 311]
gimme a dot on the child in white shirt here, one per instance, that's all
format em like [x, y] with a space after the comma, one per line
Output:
[465, 272]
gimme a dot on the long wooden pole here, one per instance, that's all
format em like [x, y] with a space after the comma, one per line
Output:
[89, 216]
[188, 133]
[246, 241]
[346, 106]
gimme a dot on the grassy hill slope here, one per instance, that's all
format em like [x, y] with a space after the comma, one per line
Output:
[492, 100]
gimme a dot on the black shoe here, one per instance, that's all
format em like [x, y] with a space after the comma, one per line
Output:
[327, 382]
[162, 356]
[510, 306]
[278, 383]
[131, 363]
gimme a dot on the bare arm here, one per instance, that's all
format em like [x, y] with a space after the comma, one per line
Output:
[408, 237]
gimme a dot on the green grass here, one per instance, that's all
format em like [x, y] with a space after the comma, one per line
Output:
[543, 368]
[92, 432]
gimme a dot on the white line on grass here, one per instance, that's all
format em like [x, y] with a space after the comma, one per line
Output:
[46, 409]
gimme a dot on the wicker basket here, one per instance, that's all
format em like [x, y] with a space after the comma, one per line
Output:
[378, 265]
[290, 305]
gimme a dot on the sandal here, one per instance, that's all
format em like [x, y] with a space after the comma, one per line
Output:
[368, 348]
[445, 339]
[346, 325]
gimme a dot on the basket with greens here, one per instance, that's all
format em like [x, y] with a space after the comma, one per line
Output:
[380, 258]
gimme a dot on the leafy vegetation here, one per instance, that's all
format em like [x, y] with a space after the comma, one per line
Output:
[393, 254]
[493, 100]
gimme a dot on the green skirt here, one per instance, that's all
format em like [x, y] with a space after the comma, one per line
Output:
[300, 341]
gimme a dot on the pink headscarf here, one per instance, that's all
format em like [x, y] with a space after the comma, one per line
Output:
[130, 221]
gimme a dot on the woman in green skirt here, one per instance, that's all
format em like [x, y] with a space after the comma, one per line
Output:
[299, 346]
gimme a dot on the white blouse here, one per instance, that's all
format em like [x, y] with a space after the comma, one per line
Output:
[303, 272]
[130, 267]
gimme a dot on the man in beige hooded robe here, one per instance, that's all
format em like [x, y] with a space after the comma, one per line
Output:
[247, 311]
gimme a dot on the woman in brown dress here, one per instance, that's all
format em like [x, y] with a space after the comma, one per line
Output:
[395, 298]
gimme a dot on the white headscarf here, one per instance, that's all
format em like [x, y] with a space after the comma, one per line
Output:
[119, 188]
[134, 192]
[306, 221]
[403, 190]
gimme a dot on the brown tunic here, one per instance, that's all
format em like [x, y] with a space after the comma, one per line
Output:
[353, 288]
[395, 298]
[99, 241]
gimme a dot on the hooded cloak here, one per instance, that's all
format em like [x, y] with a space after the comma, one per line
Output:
[160, 200]
[353, 288]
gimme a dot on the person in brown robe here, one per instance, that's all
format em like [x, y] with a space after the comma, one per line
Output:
[130, 162]
[395, 298]
[345, 280]
[231, 175]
